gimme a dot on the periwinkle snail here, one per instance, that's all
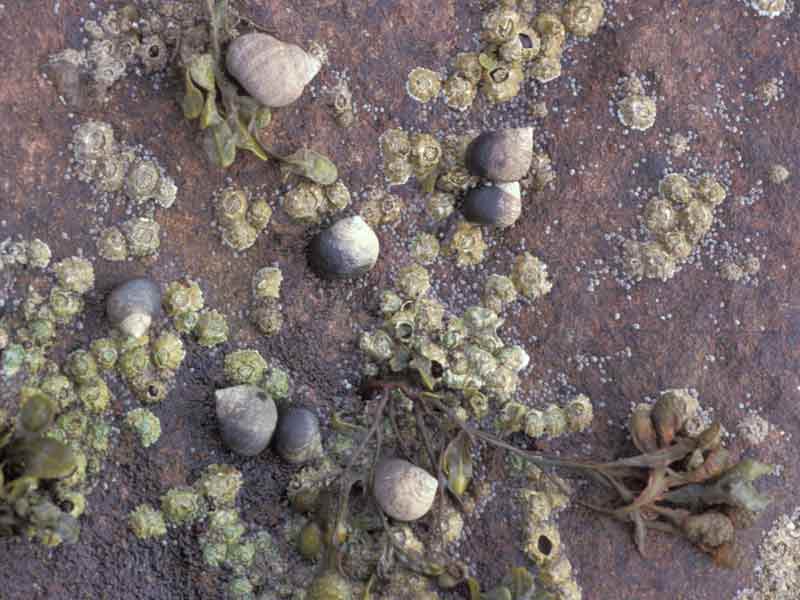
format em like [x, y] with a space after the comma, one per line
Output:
[403, 491]
[297, 438]
[347, 249]
[273, 72]
[499, 205]
[247, 417]
[134, 305]
[501, 156]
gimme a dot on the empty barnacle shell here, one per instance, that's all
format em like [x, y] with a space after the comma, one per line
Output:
[502, 156]
[497, 205]
[502, 82]
[247, 418]
[403, 491]
[347, 249]
[273, 72]
[298, 438]
[133, 305]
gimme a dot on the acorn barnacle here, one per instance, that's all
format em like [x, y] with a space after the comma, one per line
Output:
[583, 17]
[502, 82]
[500, 25]
[142, 182]
[637, 111]
[530, 276]
[423, 84]
[660, 215]
[93, 140]
[143, 236]
[676, 188]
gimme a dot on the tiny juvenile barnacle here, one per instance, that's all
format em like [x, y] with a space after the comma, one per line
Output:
[778, 174]
[112, 245]
[530, 276]
[143, 236]
[423, 84]
[245, 367]
[75, 274]
[267, 283]
[583, 17]
[637, 111]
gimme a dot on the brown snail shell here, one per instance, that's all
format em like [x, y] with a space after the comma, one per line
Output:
[403, 491]
[297, 438]
[501, 156]
[273, 72]
[134, 305]
[247, 418]
[497, 205]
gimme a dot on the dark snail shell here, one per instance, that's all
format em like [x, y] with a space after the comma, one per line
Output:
[247, 418]
[347, 249]
[134, 305]
[501, 156]
[497, 205]
[403, 491]
[297, 438]
[273, 72]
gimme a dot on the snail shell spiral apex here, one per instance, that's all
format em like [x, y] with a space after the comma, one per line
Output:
[273, 72]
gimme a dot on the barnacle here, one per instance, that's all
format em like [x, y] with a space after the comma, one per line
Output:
[632, 261]
[146, 522]
[244, 367]
[92, 140]
[677, 244]
[656, 263]
[425, 153]
[579, 413]
[220, 484]
[239, 235]
[231, 206]
[112, 245]
[59, 389]
[142, 181]
[267, 283]
[500, 25]
[166, 193]
[145, 424]
[583, 17]
[143, 236]
[153, 53]
[267, 318]
[659, 215]
[512, 417]
[499, 292]
[696, 219]
[731, 271]
[390, 302]
[134, 362]
[430, 313]
[211, 328]
[182, 506]
[397, 169]
[513, 357]
[467, 244]
[556, 573]
[337, 196]
[423, 84]
[710, 190]
[555, 421]
[110, 175]
[395, 143]
[676, 188]
[543, 542]
[414, 281]
[439, 205]
[168, 352]
[38, 254]
[769, 8]
[181, 296]
[94, 395]
[75, 274]
[305, 202]
[503, 82]
[81, 366]
[459, 92]
[185, 322]
[530, 277]
[637, 111]
[378, 345]
[553, 33]
[425, 248]
[259, 214]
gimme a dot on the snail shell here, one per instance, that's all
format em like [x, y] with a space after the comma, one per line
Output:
[502, 156]
[273, 72]
[247, 417]
[497, 205]
[134, 305]
[404, 491]
[298, 439]
[348, 249]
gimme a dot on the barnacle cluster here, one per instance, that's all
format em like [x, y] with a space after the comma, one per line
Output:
[265, 310]
[551, 421]
[34, 254]
[677, 219]
[115, 168]
[119, 41]
[241, 216]
[736, 270]
[310, 202]
[380, 207]
[148, 365]
[184, 302]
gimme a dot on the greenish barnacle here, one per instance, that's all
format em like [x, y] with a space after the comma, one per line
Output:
[676, 188]
[304, 202]
[632, 262]
[512, 417]
[530, 276]
[439, 205]
[231, 206]
[637, 111]
[656, 262]
[390, 302]
[430, 314]
[214, 554]
[583, 17]
[134, 362]
[455, 333]
[211, 328]
[240, 588]
[38, 254]
[710, 190]
[277, 383]
[244, 367]
[425, 153]
[660, 215]
[81, 366]
[371, 212]
[531, 43]
[41, 331]
[769, 8]
[75, 274]
[677, 244]
[395, 143]
[503, 82]
[112, 245]
[182, 506]
[696, 220]
[267, 318]
[467, 244]
[403, 325]
[240, 556]
[534, 423]
[480, 361]
[502, 383]
[168, 352]
[423, 84]
[146, 522]
[166, 193]
[142, 182]
[378, 345]
[478, 403]
[183, 296]
[145, 424]
[457, 179]
[513, 357]
[337, 196]
[267, 283]
[391, 205]
[92, 140]
[414, 281]
[579, 413]
[148, 388]
[220, 484]
[500, 25]
[73, 503]
[511, 51]
[499, 292]
[185, 322]
[259, 214]
[430, 350]
[59, 388]
[94, 395]
[459, 92]
[239, 235]
[143, 236]
[224, 526]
